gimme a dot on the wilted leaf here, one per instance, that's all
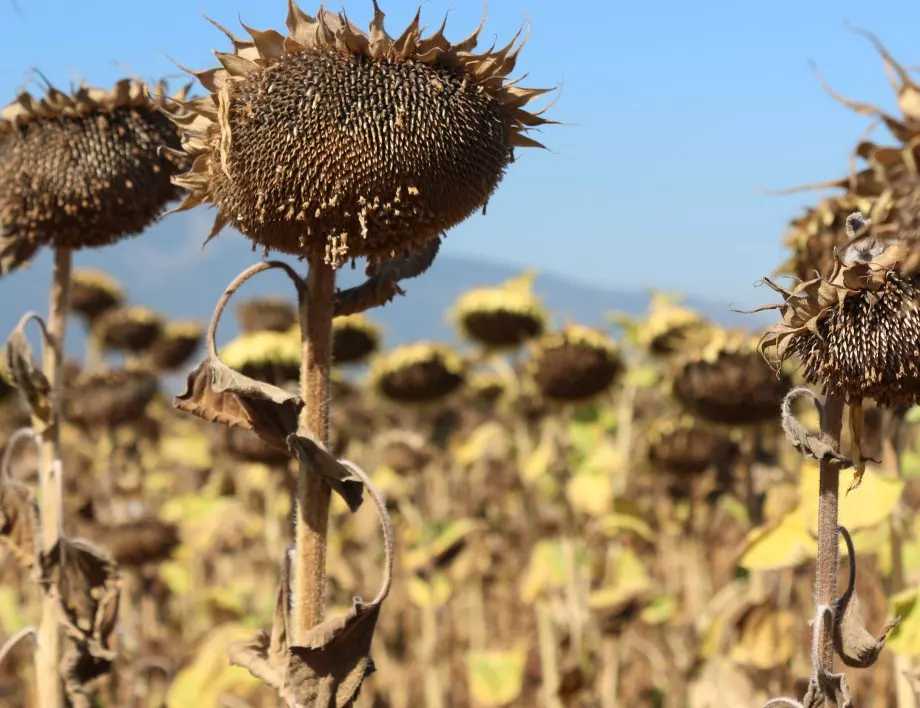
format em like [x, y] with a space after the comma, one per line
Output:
[624, 521]
[590, 493]
[853, 643]
[433, 591]
[338, 474]
[811, 446]
[540, 459]
[546, 571]
[496, 678]
[877, 498]
[437, 552]
[660, 610]
[767, 637]
[785, 543]
[25, 375]
[85, 585]
[18, 520]
[488, 441]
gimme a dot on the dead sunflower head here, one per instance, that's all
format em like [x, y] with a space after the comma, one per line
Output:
[354, 339]
[685, 447]
[672, 329]
[339, 144]
[272, 357]
[128, 329]
[266, 314]
[109, 398]
[83, 170]
[140, 541]
[486, 388]
[504, 317]
[727, 381]
[177, 344]
[575, 365]
[857, 331]
[93, 292]
[418, 373]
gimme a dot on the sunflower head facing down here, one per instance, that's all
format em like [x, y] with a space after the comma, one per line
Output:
[857, 330]
[335, 143]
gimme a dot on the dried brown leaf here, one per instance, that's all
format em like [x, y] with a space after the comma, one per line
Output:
[19, 521]
[337, 473]
[329, 668]
[85, 587]
[853, 643]
[25, 374]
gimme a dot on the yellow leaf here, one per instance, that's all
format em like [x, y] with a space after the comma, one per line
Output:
[433, 592]
[496, 678]
[545, 572]
[590, 494]
[660, 610]
[192, 449]
[784, 544]
[487, 440]
[210, 675]
[865, 507]
[12, 609]
[539, 461]
[175, 576]
[612, 525]
[905, 638]
[642, 377]
[767, 638]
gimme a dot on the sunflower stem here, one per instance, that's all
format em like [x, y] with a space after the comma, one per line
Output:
[48, 652]
[828, 503]
[313, 494]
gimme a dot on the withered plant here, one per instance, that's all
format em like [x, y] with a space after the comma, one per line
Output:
[77, 171]
[331, 144]
[855, 331]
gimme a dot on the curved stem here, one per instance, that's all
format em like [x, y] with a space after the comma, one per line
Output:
[313, 493]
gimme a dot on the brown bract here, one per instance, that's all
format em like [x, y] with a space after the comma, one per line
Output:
[858, 331]
[82, 170]
[336, 143]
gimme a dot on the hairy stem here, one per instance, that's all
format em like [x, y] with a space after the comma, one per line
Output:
[313, 494]
[48, 653]
[828, 502]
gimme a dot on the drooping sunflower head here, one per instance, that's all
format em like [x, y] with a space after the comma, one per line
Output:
[273, 357]
[857, 331]
[354, 339]
[684, 446]
[110, 398]
[266, 314]
[575, 364]
[672, 328]
[486, 388]
[176, 345]
[503, 317]
[334, 143]
[128, 329]
[94, 292]
[727, 381]
[142, 541]
[84, 170]
[419, 373]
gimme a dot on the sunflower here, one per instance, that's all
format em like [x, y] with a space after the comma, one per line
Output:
[575, 365]
[423, 372]
[333, 143]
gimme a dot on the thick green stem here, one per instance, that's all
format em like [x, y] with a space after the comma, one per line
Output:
[828, 565]
[48, 653]
[313, 494]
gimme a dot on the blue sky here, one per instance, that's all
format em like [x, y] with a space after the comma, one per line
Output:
[678, 112]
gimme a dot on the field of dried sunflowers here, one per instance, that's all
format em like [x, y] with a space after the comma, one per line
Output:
[538, 513]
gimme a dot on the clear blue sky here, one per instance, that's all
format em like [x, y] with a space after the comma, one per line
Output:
[679, 111]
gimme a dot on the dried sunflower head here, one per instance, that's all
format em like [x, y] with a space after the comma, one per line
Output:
[418, 373]
[273, 357]
[503, 317]
[486, 388]
[339, 144]
[671, 329]
[857, 331]
[83, 170]
[93, 292]
[266, 314]
[575, 364]
[110, 398]
[128, 329]
[140, 541]
[354, 339]
[727, 381]
[178, 342]
[684, 446]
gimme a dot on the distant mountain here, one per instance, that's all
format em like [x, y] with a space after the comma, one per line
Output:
[167, 269]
